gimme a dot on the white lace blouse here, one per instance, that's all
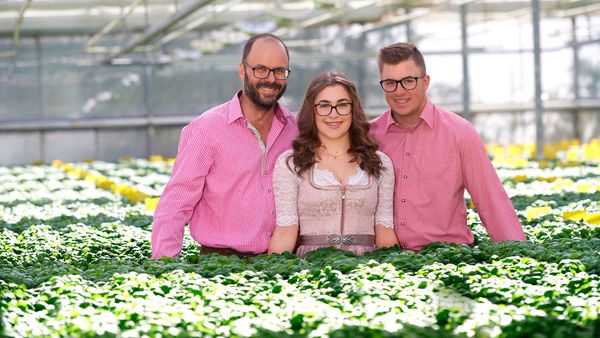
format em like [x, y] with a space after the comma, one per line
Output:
[286, 182]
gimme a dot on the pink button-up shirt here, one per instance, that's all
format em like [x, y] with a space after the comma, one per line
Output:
[433, 164]
[222, 183]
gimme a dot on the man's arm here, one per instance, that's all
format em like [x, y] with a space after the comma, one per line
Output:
[183, 191]
[490, 199]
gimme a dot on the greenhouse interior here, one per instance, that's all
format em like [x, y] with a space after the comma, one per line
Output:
[105, 79]
[94, 95]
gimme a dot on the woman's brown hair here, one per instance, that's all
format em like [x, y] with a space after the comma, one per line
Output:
[305, 146]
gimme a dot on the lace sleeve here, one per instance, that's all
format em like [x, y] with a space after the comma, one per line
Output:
[285, 186]
[385, 208]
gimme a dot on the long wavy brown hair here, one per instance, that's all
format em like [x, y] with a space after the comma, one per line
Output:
[362, 148]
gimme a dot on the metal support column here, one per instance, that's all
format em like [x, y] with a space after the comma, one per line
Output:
[576, 70]
[40, 93]
[409, 34]
[39, 62]
[466, 97]
[362, 65]
[539, 110]
[147, 76]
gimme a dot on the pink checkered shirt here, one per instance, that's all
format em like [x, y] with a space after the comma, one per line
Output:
[433, 164]
[222, 183]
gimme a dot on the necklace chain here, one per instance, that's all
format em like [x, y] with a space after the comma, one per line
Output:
[335, 157]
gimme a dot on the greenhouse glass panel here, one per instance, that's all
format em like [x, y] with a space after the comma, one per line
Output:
[117, 91]
[445, 86]
[189, 88]
[19, 86]
[502, 78]
[65, 77]
[589, 71]
[557, 78]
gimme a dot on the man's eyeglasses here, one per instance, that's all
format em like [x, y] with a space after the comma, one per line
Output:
[408, 83]
[325, 109]
[262, 72]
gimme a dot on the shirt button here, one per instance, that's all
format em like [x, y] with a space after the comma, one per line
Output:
[405, 176]
[268, 190]
[265, 172]
[273, 212]
[407, 154]
[410, 131]
[403, 200]
[402, 223]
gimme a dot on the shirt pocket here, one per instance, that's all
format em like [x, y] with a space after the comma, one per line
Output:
[439, 180]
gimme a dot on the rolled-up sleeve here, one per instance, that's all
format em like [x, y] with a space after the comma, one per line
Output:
[195, 158]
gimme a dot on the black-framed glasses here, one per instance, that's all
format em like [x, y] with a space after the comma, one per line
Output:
[262, 72]
[408, 83]
[325, 109]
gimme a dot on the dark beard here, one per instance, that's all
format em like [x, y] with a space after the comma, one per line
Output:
[252, 93]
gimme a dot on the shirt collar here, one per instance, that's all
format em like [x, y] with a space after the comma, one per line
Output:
[389, 119]
[235, 110]
[426, 115]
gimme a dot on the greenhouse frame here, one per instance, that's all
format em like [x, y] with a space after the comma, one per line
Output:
[85, 79]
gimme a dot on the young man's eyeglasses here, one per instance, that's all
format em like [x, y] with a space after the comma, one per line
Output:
[408, 83]
[325, 109]
[262, 72]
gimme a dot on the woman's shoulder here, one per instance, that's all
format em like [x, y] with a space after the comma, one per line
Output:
[284, 159]
[285, 155]
[387, 173]
[385, 159]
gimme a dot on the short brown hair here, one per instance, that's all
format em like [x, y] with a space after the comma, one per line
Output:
[399, 52]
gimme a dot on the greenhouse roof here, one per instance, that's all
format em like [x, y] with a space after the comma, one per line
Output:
[216, 24]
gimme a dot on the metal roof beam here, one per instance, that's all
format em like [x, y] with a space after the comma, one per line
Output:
[160, 27]
[113, 24]
[53, 5]
[198, 22]
[391, 22]
[321, 18]
[17, 31]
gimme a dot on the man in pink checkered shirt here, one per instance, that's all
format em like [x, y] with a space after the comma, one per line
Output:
[437, 155]
[221, 182]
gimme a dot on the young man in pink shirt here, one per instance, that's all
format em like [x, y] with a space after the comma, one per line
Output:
[436, 155]
[221, 182]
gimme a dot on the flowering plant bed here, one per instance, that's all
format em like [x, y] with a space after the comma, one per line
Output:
[74, 261]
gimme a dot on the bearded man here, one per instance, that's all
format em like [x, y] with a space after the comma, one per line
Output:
[221, 184]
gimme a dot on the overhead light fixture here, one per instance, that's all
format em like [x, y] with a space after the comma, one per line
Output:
[36, 13]
[121, 61]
